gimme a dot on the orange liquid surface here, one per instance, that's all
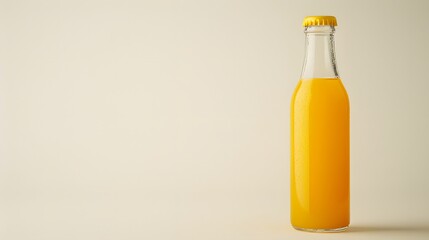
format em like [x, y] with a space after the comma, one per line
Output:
[320, 194]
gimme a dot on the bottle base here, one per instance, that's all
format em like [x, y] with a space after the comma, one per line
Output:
[322, 230]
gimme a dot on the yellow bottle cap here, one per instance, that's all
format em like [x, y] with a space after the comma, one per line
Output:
[319, 21]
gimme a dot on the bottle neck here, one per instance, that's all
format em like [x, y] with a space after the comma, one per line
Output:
[319, 59]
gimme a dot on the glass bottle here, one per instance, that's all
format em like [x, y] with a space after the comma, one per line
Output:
[320, 189]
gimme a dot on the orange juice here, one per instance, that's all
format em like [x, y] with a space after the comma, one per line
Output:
[320, 155]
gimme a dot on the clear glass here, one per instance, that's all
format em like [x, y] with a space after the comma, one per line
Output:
[320, 191]
[319, 61]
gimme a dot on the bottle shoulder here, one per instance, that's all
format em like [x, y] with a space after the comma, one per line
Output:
[320, 90]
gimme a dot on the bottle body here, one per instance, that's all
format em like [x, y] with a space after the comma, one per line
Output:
[320, 155]
[320, 189]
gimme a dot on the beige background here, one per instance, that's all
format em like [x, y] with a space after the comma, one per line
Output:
[170, 119]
